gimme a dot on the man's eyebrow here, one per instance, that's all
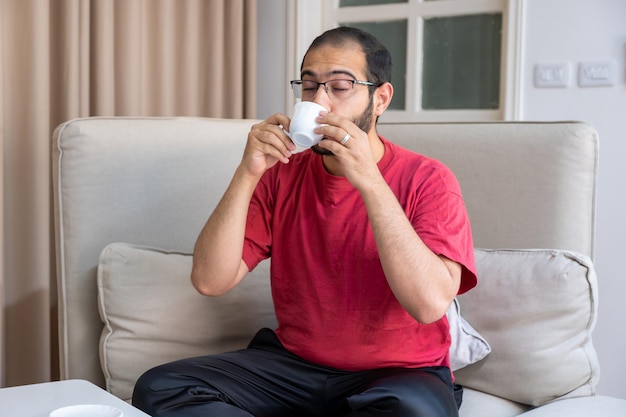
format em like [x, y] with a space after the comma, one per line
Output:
[335, 72]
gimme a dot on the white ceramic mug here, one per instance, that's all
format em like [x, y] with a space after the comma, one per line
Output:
[303, 124]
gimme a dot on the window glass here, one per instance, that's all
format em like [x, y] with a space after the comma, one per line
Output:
[393, 34]
[461, 62]
[348, 3]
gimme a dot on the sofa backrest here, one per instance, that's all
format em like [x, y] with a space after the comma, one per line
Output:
[154, 181]
[526, 185]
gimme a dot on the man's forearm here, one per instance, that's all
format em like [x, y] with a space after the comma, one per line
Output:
[423, 282]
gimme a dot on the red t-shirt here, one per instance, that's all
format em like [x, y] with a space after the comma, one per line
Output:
[333, 304]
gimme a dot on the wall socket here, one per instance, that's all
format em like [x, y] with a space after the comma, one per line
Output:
[556, 74]
[590, 74]
[596, 74]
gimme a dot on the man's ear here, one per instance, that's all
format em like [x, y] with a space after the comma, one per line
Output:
[382, 98]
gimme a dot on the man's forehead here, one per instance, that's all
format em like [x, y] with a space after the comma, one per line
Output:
[329, 74]
[327, 61]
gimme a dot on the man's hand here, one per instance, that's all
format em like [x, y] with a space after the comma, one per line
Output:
[267, 144]
[357, 156]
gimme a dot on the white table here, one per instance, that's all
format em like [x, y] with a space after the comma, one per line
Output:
[38, 400]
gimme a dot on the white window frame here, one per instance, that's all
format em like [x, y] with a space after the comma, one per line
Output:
[310, 18]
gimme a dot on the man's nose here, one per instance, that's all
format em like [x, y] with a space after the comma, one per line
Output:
[322, 96]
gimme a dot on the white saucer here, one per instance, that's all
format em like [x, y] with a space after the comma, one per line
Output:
[87, 410]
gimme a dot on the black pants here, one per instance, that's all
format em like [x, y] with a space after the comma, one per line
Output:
[265, 380]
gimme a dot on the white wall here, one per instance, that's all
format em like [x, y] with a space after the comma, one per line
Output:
[554, 30]
[272, 42]
[578, 31]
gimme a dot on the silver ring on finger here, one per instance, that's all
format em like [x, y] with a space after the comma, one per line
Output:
[345, 139]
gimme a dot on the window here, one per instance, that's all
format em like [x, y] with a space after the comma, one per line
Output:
[454, 60]
[461, 62]
[392, 34]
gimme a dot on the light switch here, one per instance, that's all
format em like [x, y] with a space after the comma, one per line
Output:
[556, 74]
[596, 74]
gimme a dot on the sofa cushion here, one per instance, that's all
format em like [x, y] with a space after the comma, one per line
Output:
[537, 308]
[468, 346]
[153, 315]
[480, 404]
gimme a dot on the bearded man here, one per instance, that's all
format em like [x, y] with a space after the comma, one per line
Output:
[369, 244]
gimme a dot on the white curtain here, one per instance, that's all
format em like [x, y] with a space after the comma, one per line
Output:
[62, 59]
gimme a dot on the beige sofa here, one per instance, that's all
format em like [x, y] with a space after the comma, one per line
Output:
[131, 194]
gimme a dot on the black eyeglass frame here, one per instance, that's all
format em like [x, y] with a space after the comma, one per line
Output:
[300, 82]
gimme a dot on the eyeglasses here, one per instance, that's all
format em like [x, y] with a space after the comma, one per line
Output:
[339, 89]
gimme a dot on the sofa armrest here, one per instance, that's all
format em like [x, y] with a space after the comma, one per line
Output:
[581, 407]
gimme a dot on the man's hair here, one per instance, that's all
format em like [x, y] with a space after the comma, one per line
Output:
[377, 56]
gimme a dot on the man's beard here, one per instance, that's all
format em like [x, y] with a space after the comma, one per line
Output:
[363, 122]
